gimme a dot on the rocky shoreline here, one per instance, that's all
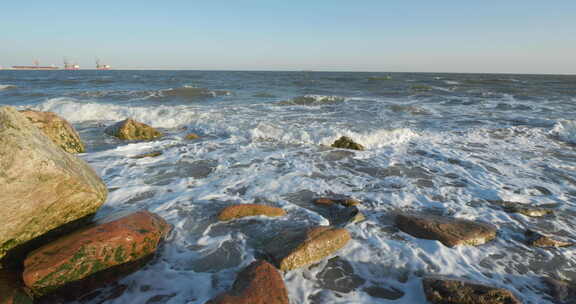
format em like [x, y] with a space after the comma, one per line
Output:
[49, 196]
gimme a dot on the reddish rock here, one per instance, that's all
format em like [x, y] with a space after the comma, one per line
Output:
[295, 249]
[130, 129]
[10, 291]
[449, 291]
[57, 129]
[259, 283]
[243, 210]
[112, 242]
[449, 231]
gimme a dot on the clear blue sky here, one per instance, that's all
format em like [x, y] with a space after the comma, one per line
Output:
[444, 36]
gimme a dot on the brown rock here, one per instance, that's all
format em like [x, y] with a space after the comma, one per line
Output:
[349, 202]
[345, 142]
[296, 249]
[259, 283]
[447, 291]
[112, 242]
[42, 186]
[536, 239]
[243, 210]
[449, 231]
[527, 210]
[10, 291]
[130, 129]
[149, 154]
[192, 136]
[57, 129]
[563, 292]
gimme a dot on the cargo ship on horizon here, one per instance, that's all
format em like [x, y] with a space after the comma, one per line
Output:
[36, 66]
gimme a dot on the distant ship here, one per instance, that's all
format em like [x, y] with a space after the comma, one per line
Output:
[36, 66]
[100, 66]
[70, 66]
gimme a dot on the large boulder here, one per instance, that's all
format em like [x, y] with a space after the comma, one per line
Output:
[111, 242]
[130, 129]
[449, 291]
[42, 186]
[259, 283]
[57, 129]
[449, 231]
[295, 249]
[10, 291]
[243, 210]
[345, 142]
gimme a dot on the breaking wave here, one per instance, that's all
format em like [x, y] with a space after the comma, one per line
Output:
[565, 130]
[313, 100]
[7, 87]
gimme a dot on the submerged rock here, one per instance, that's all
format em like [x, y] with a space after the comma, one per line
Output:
[10, 291]
[130, 129]
[77, 256]
[527, 210]
[449, 231]
[42, 186]
[57, 129]
[536, 239]
[191, 136]
[149, 154]
[295, 249]
[348, 202]
[345, 142]
[449, 291]
[563, 292]
[243, 210]
[259, 283]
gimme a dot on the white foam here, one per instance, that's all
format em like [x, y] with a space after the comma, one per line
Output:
[7, 87]
[565, 130]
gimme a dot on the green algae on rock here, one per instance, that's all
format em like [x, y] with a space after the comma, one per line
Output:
[259, 283]
[57, 129]
[42, 186]
[243, 210]
[78, 255]
[130, 129]
[346, 142]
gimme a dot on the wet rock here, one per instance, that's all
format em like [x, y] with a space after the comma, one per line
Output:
[561, 291]
[42, 186]
[527, 210]
[345, 142]
[536, 239]
[57, 129]
[243, 210]
[113, 241]
[388, 293]
[295, 249]
[338, 275]
[448, 291]
[130, 129]
[149, 154]
[449, 231]
[191, 136]
[259, 283]
[10, 290]
[348, 202]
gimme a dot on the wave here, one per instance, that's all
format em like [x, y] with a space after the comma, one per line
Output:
[75, 110]
[188, 92]
[7, 87]
[313, 100]
[565, 130]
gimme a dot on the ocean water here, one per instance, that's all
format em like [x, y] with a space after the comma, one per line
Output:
[448, 144]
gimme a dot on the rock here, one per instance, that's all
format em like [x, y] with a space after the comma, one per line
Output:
[527, 210]
[295, 249]
[243, 210]
[449, 231]
[259, 283]
[563, 292]
[191, 136]
[57, 129]
[42, 186]
[149, 154]
[348, 202]
[130, 129]
[449, 291]
[338, 275]
[536, 239]
[111, 242]
[10, 291]
[345, 142]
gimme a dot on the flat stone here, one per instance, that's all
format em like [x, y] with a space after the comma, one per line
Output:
[11, 292]
[243, 210]
[111, 242]
[295, 249]
[42, 186]
[450, 291]
[130, 129]
[259, 283]
[345, 142]
[536, 239]
[57, 129]
[449, 231]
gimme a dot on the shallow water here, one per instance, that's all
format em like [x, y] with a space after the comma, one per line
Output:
[452, 144]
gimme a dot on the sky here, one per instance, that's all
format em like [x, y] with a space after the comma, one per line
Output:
[390, 36]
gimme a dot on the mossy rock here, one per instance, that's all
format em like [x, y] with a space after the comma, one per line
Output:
[57, 129]
[191, 136]
[345, 142]
[130, 129]
[450, 291]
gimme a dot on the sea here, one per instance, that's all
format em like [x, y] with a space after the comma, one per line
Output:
[456, 145]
